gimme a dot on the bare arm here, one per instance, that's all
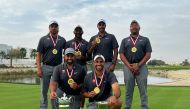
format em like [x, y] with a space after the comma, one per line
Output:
[145, 59]
[38, 63]
[93, 45]
[116, 90]
[136, 67]
[124, 59]
[89, 94]
[53, 87]
[115, 54]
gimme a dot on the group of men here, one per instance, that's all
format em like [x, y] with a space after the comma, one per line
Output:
[70, 77]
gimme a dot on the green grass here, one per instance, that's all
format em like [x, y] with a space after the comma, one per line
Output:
[22, 96]
[169, 67]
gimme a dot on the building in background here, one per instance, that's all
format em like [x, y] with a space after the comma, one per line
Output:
[5, 48]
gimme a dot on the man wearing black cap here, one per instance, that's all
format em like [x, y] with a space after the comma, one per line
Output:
[68, 77]
[49, 52]
[105, 44]
[135, 51]
[101, 85]
[80, 46]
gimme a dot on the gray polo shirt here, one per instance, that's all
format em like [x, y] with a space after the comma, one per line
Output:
[45, 47]
[83, 48]
[106, 46]
[143, 46]
[60, 76]
[105, 87]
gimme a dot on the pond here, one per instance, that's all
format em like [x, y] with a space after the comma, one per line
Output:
[119, 74]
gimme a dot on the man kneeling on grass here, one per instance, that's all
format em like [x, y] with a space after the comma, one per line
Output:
[99, 85]
[67, 78]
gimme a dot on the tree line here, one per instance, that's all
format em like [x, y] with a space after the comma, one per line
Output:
[156, 62]
[17, 53]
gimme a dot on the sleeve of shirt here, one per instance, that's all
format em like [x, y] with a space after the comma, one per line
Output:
[88, 55]
[91, 39]
[84, 74]
[67, 45]
[112, 78]
[85, 85]
[40, 47]
[64, 44]
[89, 46]
[114, 42]
[122, 46]
[55, 76]
[148, 47]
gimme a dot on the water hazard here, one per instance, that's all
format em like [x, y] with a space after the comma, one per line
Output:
[119, 74]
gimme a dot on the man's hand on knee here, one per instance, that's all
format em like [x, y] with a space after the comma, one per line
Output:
[112, 100]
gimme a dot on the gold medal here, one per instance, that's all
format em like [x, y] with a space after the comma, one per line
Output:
[134, 49]
[77, 53]
[97, 90]
[54, 51]
[70, 81]
[97, 40]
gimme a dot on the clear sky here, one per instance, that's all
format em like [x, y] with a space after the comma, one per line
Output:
[165, 22]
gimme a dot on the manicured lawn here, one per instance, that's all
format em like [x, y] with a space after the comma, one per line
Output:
[169, 67]
[21, 96]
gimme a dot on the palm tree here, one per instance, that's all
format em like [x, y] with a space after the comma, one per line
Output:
[23, 52]
[13, 53]
[2, 54]
[33, 53]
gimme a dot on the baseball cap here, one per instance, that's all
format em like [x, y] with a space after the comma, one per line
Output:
[78, 26]
[101, 20]
[69, 51]
[53, 22]
[99, 56]
[134, 21]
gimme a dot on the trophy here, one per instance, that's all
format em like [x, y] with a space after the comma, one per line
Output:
[102, 105]
[64, 102]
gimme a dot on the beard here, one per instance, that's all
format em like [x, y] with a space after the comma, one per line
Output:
[135, 33]
[98, 68]
[69, 62]
[79, 36]
[54, 33]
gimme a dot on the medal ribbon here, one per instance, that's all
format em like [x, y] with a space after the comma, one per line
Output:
[101, 79]
[134, 42]
[68, 73]
[77, 46]
[54, 42]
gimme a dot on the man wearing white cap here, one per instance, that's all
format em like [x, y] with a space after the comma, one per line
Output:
[101, 85]
[49, 55]
[105, 44]
[68, 78]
